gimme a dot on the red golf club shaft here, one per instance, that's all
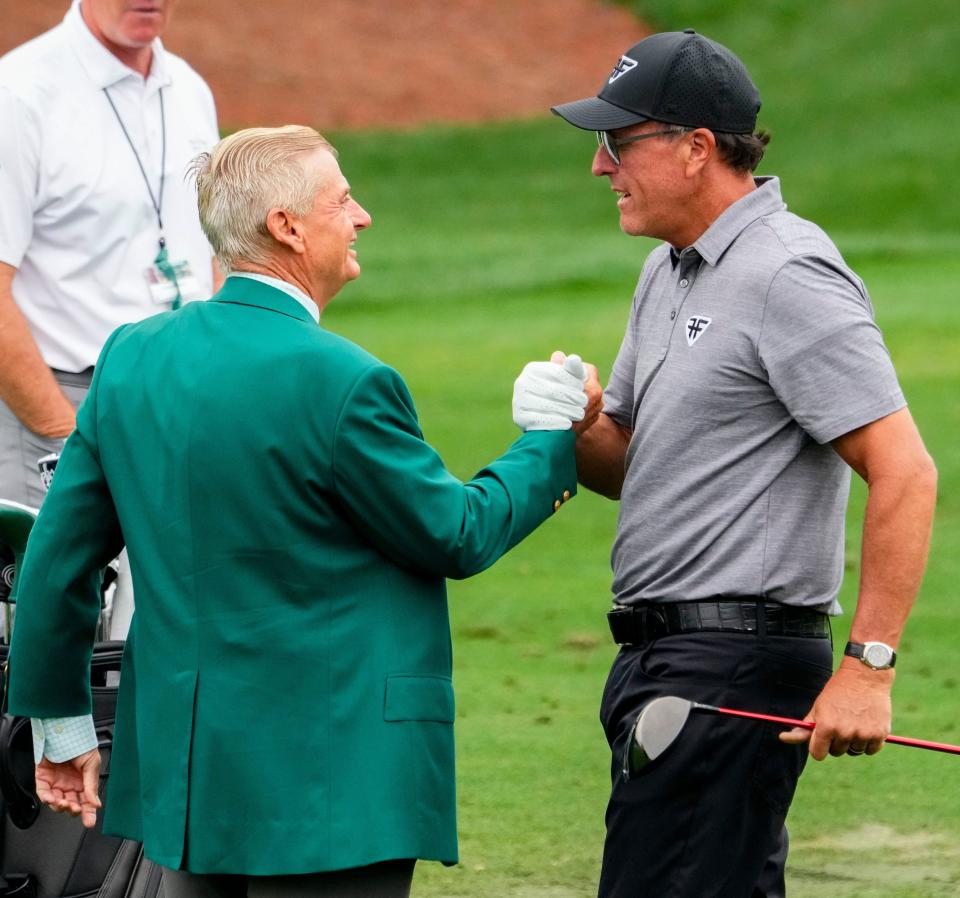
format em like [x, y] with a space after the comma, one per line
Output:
[809, 725]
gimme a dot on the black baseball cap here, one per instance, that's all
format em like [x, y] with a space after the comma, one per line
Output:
[677, 77]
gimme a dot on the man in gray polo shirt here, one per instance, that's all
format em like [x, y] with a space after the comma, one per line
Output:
[751, 379]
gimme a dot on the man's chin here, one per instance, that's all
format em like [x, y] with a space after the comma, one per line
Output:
[137, 38]
[141, 29]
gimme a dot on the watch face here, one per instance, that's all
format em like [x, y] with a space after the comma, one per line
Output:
[877, 655]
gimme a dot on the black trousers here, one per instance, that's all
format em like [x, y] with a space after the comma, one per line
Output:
[389, 879]
[706, 819]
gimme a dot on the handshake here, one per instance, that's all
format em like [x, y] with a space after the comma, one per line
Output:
[553, 395]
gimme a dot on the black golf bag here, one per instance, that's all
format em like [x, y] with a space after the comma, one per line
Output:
[49, 855]
[44, 854]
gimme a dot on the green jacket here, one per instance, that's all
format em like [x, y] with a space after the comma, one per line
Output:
[286, 703]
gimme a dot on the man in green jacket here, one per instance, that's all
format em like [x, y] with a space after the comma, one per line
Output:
[286, 704]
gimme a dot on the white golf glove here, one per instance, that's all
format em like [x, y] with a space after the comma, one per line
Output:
[548, 396]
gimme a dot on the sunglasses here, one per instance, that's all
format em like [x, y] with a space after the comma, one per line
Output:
[612, 144]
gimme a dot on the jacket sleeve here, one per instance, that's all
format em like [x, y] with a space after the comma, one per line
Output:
[58, 592]
[397, 491]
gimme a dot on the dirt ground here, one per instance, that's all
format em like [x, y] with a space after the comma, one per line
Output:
[381, 63]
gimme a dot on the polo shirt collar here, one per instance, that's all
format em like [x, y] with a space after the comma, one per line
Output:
[765, 200]
[103, 68]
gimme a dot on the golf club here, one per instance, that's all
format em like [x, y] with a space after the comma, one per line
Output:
[16, 521]
[660, 722]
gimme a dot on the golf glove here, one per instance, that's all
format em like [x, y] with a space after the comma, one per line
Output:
[548, 396]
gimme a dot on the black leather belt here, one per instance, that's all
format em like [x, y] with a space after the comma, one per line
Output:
[637, 624]
[73, 378]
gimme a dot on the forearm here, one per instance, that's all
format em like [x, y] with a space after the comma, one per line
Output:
[27, 385]
[854, 710]
[896, 538]
[601, 457]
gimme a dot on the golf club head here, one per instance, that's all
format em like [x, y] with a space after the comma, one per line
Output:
[16, 521]
[656, 728]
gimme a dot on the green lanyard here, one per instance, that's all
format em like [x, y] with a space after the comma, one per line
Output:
[162, 261]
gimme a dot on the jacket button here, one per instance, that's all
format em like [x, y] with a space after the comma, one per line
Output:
[566, 495]
[556, 505]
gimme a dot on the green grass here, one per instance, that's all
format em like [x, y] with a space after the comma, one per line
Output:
[531, 646]
[493, 245]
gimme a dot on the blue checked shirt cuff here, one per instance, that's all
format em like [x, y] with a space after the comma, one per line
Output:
[62, 738]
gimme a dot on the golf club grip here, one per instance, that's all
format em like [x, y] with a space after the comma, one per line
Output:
[809, 725]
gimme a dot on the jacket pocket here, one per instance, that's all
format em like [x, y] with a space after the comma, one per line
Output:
[411, 697]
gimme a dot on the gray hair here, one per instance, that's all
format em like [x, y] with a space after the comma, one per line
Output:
[245, 176]
[741, 152]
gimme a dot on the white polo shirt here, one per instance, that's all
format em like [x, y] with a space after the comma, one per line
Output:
[76, 218]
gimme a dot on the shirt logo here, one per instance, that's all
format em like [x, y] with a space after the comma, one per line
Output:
[624, 64]
[696, 325]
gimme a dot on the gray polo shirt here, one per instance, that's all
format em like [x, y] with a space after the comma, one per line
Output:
[744, 356]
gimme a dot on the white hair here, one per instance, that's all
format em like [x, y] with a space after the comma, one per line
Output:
[245, 176]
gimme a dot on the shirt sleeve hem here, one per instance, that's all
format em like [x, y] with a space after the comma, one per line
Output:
[618, 416]
[11, 258]
[867, 415]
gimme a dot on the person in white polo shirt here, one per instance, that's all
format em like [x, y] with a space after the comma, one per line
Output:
[97, 224]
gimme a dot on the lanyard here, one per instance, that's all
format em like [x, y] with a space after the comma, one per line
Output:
[163, 260]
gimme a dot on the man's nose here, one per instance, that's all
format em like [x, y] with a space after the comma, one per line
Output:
[603, 164]
[361, 218]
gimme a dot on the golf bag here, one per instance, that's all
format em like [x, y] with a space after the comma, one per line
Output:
[49, 855]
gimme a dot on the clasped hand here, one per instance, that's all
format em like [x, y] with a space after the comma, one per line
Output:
[554, 395]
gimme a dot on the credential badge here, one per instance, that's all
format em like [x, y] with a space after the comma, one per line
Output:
[696, 325]
[624, 64]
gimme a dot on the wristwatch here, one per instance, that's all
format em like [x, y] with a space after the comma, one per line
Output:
[877, 655]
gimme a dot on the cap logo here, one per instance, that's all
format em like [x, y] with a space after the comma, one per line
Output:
[624, 64]
[696, 325]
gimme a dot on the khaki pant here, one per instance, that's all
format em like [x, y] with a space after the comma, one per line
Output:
[20, 449]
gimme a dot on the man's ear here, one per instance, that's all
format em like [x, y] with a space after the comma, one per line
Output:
[285, 229]
[701, 148]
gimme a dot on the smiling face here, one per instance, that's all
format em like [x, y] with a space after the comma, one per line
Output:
[127, 24]
[329, 230]
[650, 182]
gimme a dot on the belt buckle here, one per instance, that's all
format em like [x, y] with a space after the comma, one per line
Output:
[653, 623]
[644, 623]
[615, 615]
